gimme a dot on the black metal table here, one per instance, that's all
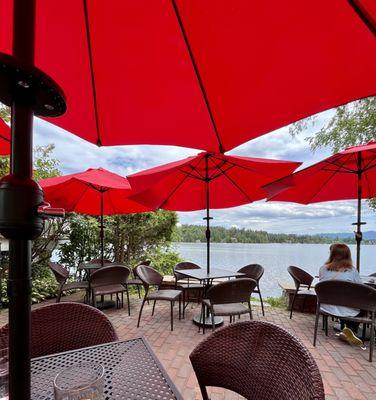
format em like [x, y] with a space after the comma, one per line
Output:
[132, 371]
[207, 278]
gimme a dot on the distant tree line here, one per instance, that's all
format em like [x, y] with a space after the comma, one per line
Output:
[220, 234]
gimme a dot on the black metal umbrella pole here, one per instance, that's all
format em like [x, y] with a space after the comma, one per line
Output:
[27, 91]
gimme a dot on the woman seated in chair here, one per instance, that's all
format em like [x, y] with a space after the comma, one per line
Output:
[340, 267]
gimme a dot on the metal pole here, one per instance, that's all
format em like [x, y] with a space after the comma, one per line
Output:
[19, 282]
[102, 231]
[207, 218]
[359, 223]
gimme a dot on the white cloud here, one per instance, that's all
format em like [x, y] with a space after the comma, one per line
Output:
[77, 155]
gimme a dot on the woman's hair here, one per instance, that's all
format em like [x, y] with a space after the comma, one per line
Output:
[340, 258]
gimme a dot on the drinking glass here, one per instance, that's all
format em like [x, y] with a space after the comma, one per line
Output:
[4, 374]
[84, 381]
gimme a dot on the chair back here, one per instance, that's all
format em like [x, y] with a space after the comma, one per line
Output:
[109, 275]
[347, 294]
[253, 271]
[233, 291]
[149, 276]
[372, 275]
[182, 266]
[257, 360]
[146, 262]
[61, 273]
[67, 326]
[300, 276]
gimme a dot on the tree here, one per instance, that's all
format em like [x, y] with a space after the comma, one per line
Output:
[352, 124]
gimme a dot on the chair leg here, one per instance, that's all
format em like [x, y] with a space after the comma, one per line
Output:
[152, 313]
[172, 315]
[180, 307]
[128, 302]
[372, 338]
[139, 314]
[292, 304]
[183, 303]
[204, 393]
[202, 318]
[262, 303]
[326, 325]
[250, 309]
[60, 293]
[139, 292]
[316, 325]
[212, 319]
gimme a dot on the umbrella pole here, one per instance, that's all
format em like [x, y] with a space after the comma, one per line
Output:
[359, 223]
[208, 217]
[102, 231]
[19, 279]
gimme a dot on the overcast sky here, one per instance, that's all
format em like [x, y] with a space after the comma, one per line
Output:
[77, 155]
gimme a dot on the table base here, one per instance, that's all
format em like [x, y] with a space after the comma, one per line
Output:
[207, 321]
[105, 304]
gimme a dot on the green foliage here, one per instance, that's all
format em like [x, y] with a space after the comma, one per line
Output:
[352, 124]
[277, 302]
[220, 234]
[43, 288]
[83, 243]
[164, 259]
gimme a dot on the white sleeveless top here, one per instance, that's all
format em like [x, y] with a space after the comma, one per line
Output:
[351, 275]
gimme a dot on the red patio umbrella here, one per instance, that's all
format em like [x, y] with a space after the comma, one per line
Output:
[96, 191]
[4, 138]
[207, 180]
[349, 174]
[202, 74]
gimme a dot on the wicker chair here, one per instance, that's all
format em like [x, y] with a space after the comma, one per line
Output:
[110, 280]
[347, 294]
[67, 326]
[301, 279]
[135, 280]
[150, 277]
[255, 271]
[259, 361]
[62, 275]
[227, 298]
[187, 286]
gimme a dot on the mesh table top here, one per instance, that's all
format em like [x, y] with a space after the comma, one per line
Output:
[132, 371]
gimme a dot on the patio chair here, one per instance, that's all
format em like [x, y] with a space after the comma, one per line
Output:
[99, 261]
[66, 326]
[227, 298]
[150, 277]
[255, 271]
[187, 286]
[259, 361]
[301, 278]
[110, 280]
[347, 294]
[62, 274]
[135, 280]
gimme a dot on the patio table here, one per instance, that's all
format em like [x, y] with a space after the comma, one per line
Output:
[132, 371]
[205, 277]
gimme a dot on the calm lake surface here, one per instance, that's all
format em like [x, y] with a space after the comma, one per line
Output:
[274, 257]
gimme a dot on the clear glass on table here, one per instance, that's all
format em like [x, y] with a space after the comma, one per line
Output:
[83, 381]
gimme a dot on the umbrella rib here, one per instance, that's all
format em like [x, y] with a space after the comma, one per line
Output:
[363, 15]
[86, 12]
[4, 138]
[198, 75]
[235, 184]
[175, 189]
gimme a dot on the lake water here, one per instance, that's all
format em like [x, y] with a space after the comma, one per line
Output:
[274, 257]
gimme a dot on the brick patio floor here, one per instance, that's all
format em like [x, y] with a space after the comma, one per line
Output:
[346, 372]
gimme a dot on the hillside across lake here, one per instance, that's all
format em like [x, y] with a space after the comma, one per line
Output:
[219, 234]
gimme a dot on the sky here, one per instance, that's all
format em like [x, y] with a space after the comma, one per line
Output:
[76, 155]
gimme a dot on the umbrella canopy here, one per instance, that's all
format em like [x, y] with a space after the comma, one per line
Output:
[350, 174]
[4, 138]
[208, 180]
[93, 192]
[202, 74]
